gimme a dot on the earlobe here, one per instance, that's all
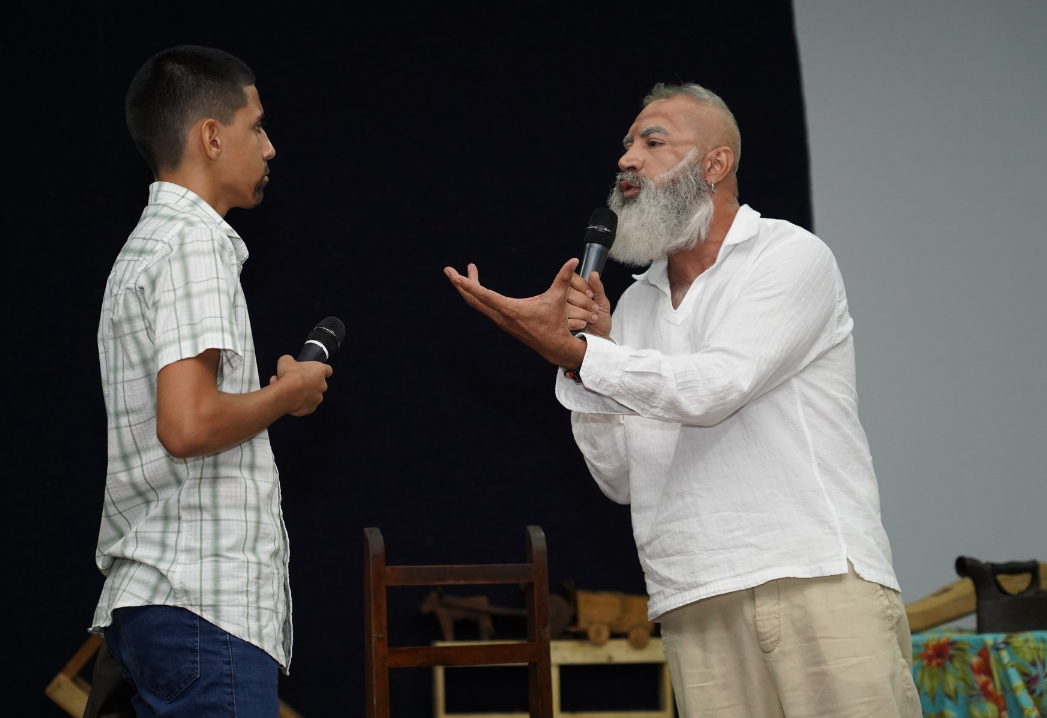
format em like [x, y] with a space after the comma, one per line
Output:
[719, 163]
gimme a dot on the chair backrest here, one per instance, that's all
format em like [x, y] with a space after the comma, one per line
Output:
[380, 657]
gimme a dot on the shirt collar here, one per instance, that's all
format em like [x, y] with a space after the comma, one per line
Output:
[173, 195]
[743, 228]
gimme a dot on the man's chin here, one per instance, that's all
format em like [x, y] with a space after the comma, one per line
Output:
[618, 201]
[248, 203]
[632, 253]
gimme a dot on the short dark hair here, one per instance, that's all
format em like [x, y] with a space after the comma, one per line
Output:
[174, 89]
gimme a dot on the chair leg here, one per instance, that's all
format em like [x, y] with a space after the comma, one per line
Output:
[540, 672]
[376, 647]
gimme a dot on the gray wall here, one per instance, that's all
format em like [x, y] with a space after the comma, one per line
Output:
[927, 124]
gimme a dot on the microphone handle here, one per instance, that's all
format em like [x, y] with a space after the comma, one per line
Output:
[593, 260]
[312, 350]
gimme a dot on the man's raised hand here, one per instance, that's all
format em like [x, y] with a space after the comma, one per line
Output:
[541, 322]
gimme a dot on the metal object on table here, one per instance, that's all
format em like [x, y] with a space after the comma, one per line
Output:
[998, 611]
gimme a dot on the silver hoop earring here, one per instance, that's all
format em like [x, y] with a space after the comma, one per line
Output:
[712, 188]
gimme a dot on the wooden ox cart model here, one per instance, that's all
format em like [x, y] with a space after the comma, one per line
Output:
[598, 614]
[601, 614]
[478, 609]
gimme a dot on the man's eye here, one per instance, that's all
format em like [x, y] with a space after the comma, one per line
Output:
[653, 143]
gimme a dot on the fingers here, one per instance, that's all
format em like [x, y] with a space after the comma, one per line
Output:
[580, 299]
[579, 318]
[579, 284]
[599, 293]
[563, 277]
[581, 307]
[466, 286]
[595, 283]
[478, 296]
[466, 289]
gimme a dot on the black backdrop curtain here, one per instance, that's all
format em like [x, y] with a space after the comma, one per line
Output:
[407, 139]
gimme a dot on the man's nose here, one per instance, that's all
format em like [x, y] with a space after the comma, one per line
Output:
[270, 152]
[629, 161]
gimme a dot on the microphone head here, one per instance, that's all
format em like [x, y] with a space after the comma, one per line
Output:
[603, 224]
[330, 332]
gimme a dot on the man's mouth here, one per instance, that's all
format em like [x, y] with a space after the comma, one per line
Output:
[628, 189]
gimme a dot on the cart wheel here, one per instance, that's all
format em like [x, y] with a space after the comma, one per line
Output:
[598, 633]
[639, 636]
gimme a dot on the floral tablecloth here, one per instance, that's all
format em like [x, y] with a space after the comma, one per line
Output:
[982, 675]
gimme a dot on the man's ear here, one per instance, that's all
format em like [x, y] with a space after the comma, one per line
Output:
[718, 164]
[210, 137]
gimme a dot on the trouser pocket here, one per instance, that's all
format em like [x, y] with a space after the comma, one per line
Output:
[161, 647]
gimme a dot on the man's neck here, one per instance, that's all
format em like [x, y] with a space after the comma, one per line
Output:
[195, 182]
[685, 266]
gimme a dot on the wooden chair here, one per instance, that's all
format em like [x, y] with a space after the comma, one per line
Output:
[380, 657]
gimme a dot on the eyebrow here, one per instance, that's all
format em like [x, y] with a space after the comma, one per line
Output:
[645, 132]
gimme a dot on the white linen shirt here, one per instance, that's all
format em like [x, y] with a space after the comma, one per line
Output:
[730, 423]
[206, 534]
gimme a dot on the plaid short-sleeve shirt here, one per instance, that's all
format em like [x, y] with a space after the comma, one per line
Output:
[206, 534]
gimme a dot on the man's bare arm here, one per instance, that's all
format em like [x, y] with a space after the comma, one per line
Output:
[193, 418]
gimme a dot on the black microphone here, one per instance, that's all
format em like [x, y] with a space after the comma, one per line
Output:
[323, 341]
[599, 236]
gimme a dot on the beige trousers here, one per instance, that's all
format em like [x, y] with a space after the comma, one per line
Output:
[832, 647]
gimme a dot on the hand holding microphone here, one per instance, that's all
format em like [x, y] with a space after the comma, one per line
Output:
[310, 380]
[586, 299]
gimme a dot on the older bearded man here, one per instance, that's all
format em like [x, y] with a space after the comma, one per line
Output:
[720, 403]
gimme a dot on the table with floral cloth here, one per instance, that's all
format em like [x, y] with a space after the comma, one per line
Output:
[983, 675]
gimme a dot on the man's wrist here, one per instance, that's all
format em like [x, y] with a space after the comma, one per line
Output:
[573, 369]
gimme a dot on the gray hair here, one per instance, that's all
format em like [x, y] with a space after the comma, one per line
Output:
[662, 91]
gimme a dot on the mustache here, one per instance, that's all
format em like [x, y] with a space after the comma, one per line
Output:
[632, 177]
[642, 185]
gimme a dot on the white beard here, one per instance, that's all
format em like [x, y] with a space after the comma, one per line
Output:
[668, 215]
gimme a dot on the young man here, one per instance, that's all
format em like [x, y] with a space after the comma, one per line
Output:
[196, 604]
[720, 403]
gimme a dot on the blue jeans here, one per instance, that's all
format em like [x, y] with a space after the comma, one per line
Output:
[181, 665]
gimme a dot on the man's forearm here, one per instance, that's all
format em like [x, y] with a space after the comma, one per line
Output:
[194, 418]
[219, 421]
